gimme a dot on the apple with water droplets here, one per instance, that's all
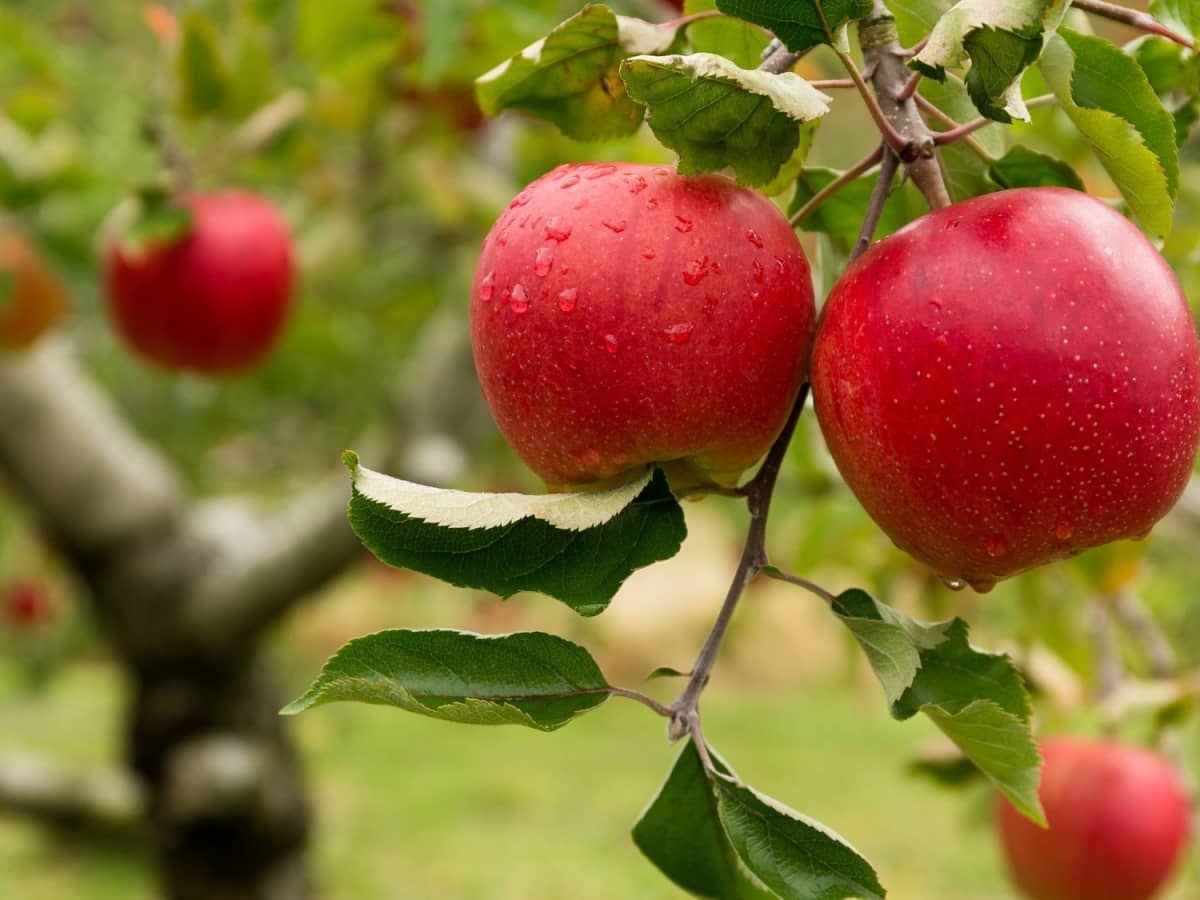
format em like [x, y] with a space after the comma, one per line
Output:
[212, 300]
[1119, 820]
[624, 315]
[1009, 381]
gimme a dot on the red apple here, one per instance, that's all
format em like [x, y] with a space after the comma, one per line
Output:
[625, 315]
[213, 301]
[1009, 381]
[26, 605]
[31, 297]
[1119, 821]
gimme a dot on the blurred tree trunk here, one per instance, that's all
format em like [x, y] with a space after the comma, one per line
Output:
[185, 590]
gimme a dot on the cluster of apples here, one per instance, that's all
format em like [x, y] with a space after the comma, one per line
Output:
[211, 300]
[1002, 383]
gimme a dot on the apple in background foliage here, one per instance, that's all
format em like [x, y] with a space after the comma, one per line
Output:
[1119, 822]
[31, 297]
[213, 301]
[1009, 381]
[624, 315]
[26, 605]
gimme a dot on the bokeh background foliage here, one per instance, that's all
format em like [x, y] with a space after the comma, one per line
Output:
[358, 119]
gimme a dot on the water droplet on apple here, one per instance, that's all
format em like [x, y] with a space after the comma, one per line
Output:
[1064, 531]
[753, 237]
[616, 226]
[557, 229]
[983, 585]
[543, 261]
[502, 240]
[611, 344]
[935, 306]
[941, 341]
[710, 305]
[635, 183]
[567, 299]
[682, 225]
[601, 172]
[648, 254]
[521, 199]
[996, 546]
[780, 266]
[758, 271]
[680, 333]
[696, 271]
[487, 287]
[570, 181]
[652, 203]
[756, 298]
[955, 584]
[519, 301]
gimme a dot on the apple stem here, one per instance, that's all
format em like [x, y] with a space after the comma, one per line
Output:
[883, 186]
[1134, 17]
[685, 713]
[956, 132]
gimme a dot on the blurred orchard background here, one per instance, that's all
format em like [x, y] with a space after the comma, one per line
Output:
[357, 119]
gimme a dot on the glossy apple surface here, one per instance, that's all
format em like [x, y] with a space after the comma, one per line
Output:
[31, 297]
[1119, 822]
[623, 315]
[215, 301]
[1009, 381]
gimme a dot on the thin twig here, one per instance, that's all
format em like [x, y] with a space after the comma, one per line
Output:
[684, 21]
[810, 586]
[931, 110]
[895, 140]
[959, 131]
[661, 708]
[910, 86]
[1136, 18]
[754, 557]
[826, 83]
[836, 185]
[883, 186]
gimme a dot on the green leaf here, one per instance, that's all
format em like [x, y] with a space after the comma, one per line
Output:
[800, 24]
[570, 77]
[203, 81]
[1108, 97]
[578, 547]
[841, 215]
[1174, 74]
[736, 40]
[157, 220]
[1002, 38]
[681, 833]
[793, 855]
[790, 170]
[531, 678]
[1178, 15]
[977, 699]
[714, 114]
[1022, 167]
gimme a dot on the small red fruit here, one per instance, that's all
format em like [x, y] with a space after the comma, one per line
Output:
[27, 605]
[1119, 821]
[31, 297]
[625, 315]
[1009, 381]
[213, 301]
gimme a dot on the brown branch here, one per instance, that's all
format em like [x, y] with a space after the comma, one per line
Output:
[106, 805]
[1136, 18]
[931, 110]
[879, 195]
[885, 60]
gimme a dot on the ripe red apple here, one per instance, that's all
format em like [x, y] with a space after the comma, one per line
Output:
[31, 297]
[213, 301]
[625, 315]
[1009, 381]
[1119, 821]
[26, 605]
